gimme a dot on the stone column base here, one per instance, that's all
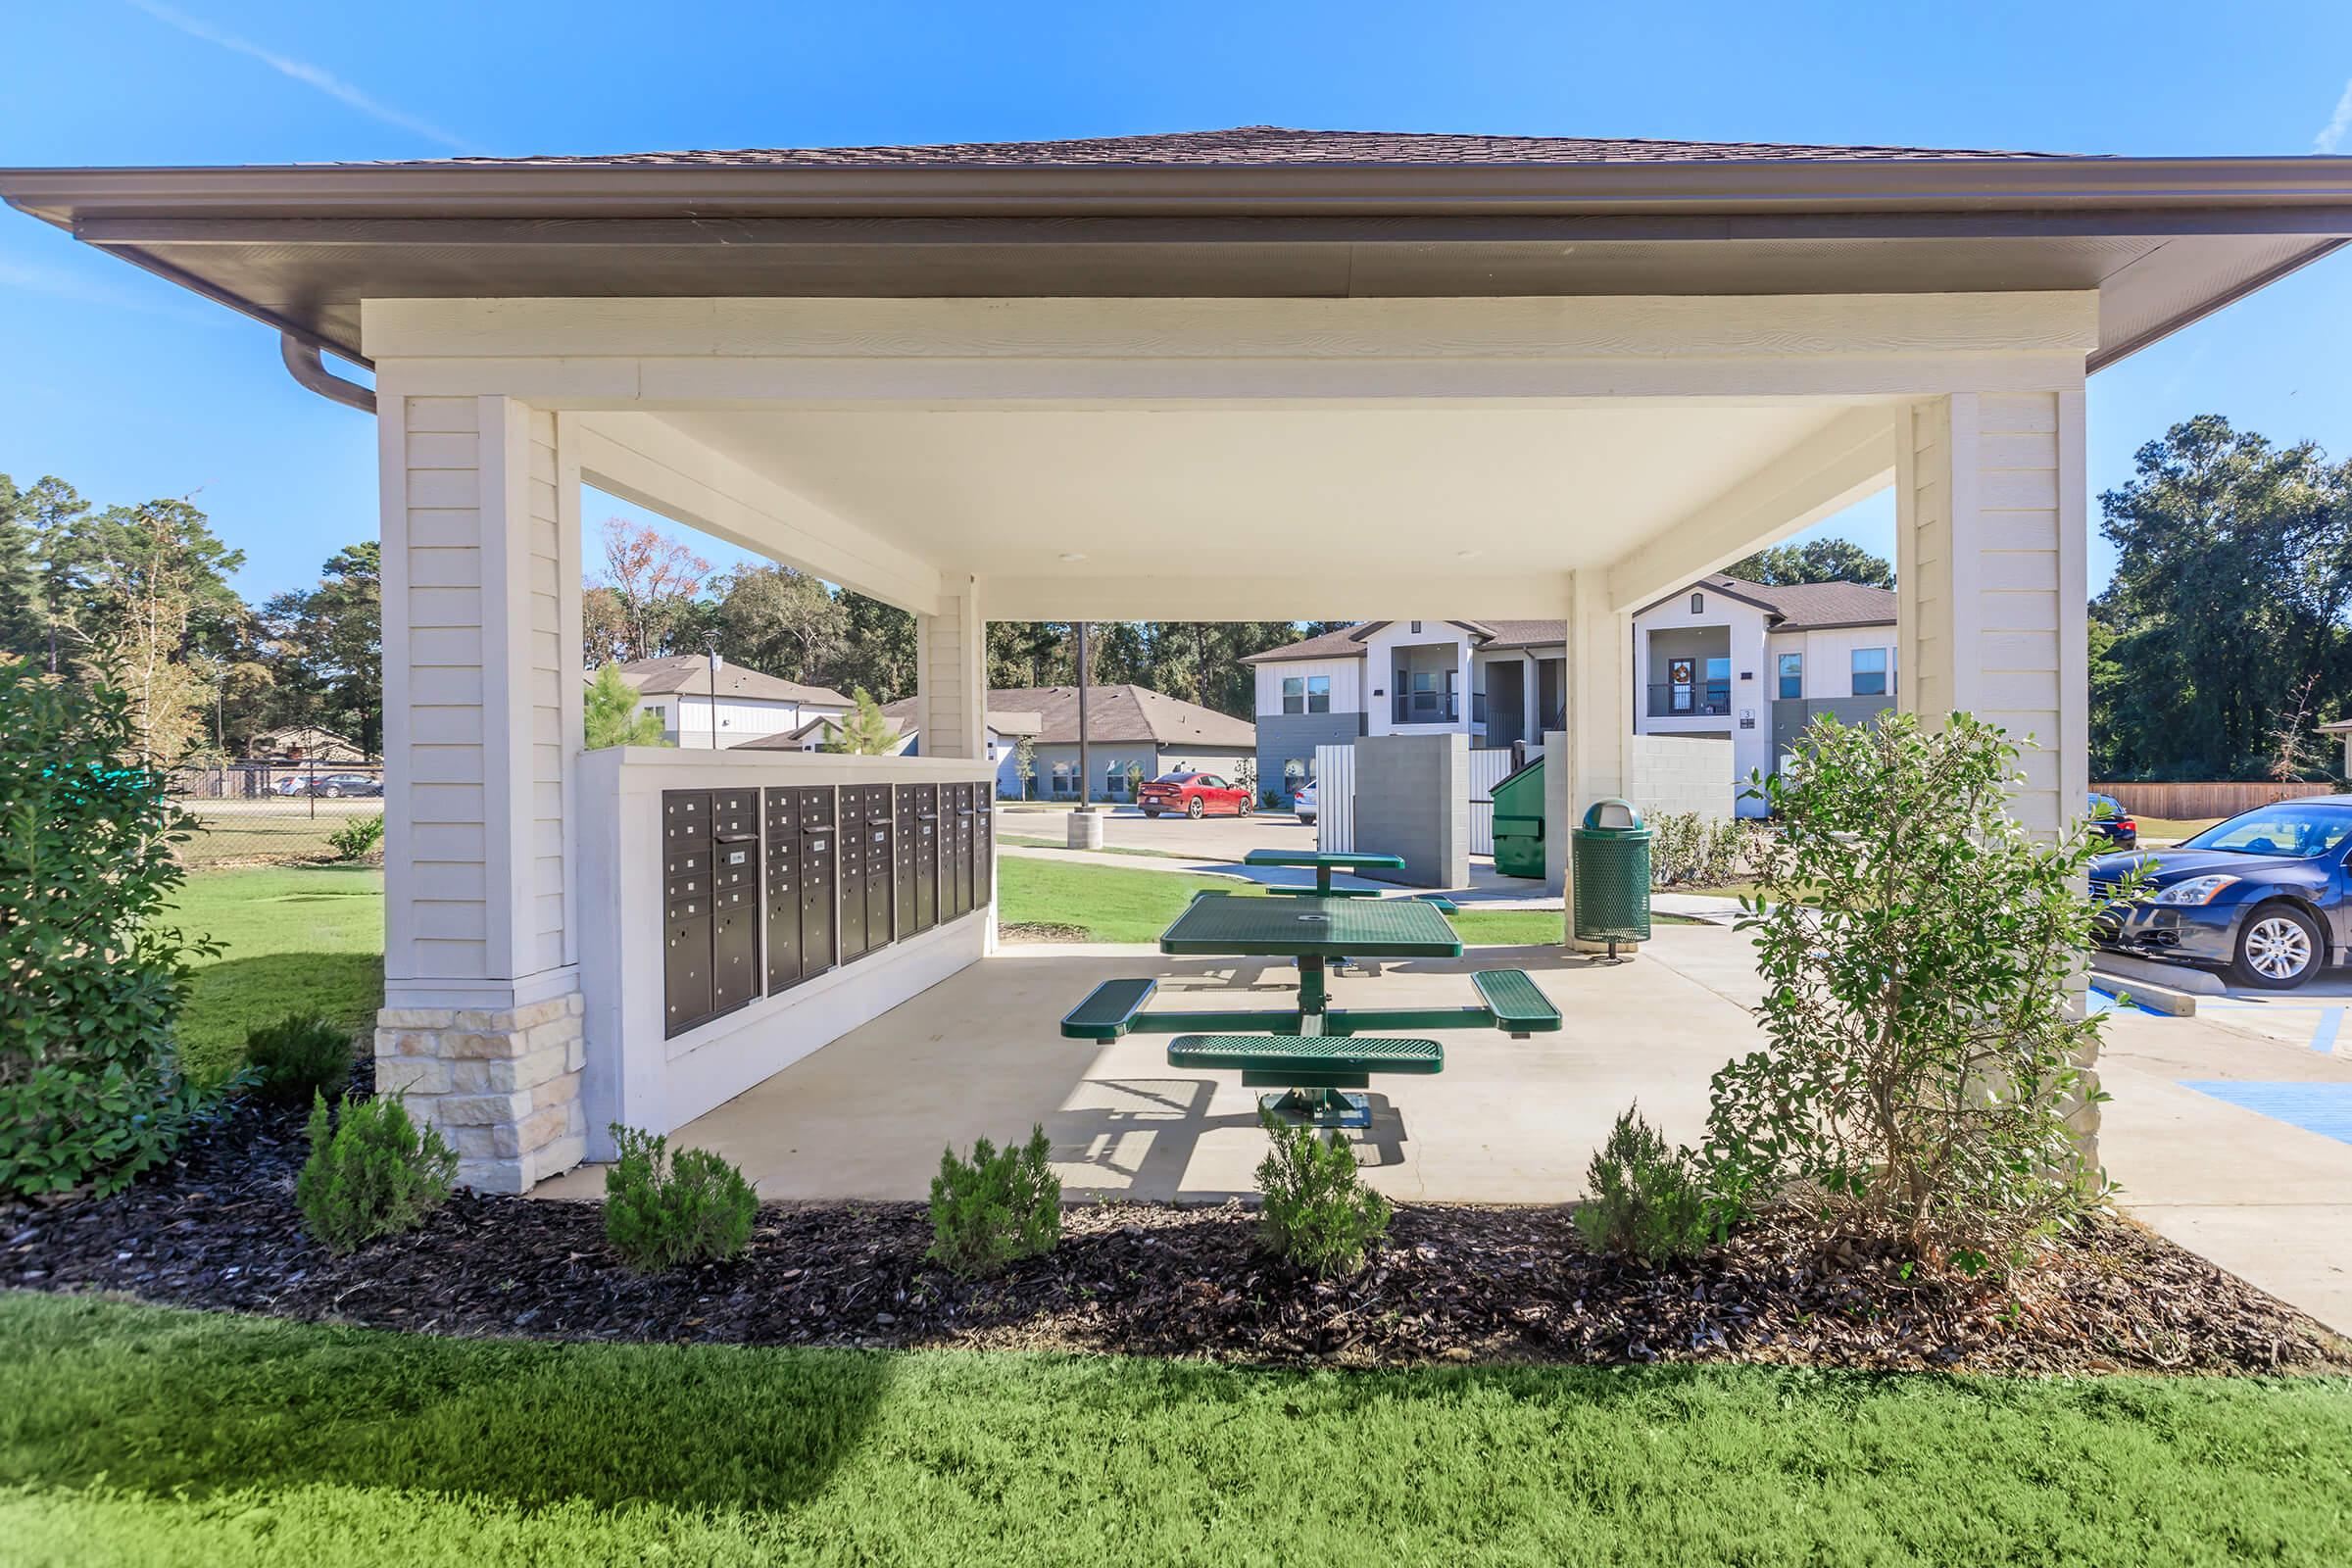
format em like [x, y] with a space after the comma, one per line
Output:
[501, 1086]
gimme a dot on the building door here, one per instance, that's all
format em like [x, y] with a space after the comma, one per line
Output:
[1507, 703]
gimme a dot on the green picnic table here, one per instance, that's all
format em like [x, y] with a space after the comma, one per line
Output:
[1312, 1051]
[1325, 861]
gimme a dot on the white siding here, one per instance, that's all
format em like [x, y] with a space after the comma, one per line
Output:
[1828, 655]
[1379, 673]
[1749, 722]
[1346, 677]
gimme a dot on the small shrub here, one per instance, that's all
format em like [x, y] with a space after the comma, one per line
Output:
[1318, 1214]
[375, 1173]
[358, 838]
[93, 974]
[1924, 1043]
[298, 1058]
[996, 1209]
[1647, 1201]
[661, 1211]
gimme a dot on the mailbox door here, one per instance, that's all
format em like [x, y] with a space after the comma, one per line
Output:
[781, 821]
[734, 956]
[984, 846]
[964, 849]
[820, 866]
[685, 974]
[685, 909]
[881, 864]
[926, 857]
[849, 841]
[904, 837]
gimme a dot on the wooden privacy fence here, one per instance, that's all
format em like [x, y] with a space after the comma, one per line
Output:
[2197, 802]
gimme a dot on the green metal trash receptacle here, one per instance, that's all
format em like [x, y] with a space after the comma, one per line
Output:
[1610, 858]
[1519, 822]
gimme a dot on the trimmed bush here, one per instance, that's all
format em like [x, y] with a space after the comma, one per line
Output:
[661, 1211]
[1926, 1045]
[996, 1209]
[1647, 1201]
[91, 978]
[359, 838]
[373, 1172]
[298, 1058]
[1318, 1214]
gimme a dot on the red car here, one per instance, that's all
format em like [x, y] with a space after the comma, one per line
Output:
[1192, 794]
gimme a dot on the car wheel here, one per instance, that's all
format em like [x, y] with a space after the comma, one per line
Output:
[335, 792]
[2278, 948]
[1245, 808]
[1195, 807]
[1148, 811]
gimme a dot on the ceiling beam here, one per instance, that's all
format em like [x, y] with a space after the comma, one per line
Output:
[1849, 457]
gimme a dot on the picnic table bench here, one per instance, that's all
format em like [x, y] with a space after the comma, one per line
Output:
[1312, 1051]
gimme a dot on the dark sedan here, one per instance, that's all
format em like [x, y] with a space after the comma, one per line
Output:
[2112, 822]
[2266, 895]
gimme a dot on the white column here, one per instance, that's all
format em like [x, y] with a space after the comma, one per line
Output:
[1587, 759]
[1991, 581]
[950, 674]
[481, 1020]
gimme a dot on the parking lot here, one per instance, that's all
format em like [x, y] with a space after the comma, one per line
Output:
[1210, 838]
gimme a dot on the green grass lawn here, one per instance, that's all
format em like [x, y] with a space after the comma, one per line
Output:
[299, 939]
[138, 1436]
[1028, 841]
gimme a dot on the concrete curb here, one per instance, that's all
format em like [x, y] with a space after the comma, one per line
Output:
[2173, 976]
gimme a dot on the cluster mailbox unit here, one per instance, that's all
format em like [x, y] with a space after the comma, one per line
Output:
[764, 889]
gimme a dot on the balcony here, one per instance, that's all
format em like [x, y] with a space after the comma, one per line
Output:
[1710, 699]
[1424, 708]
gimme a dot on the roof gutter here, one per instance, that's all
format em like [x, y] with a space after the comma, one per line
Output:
[304, 365]
[67, 197]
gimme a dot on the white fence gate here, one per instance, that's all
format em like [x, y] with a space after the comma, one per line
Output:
[1335, 799]
[1335, 796]
[1488, 766]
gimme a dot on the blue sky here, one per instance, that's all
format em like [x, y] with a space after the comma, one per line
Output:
[130, 389]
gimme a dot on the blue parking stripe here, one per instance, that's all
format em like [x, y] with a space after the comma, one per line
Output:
[2323, 1038]
[2323, 1109]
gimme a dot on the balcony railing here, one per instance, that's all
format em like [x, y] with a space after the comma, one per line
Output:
[1689, 702]
[1424, 708]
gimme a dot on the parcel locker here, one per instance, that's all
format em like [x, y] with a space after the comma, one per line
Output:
[686, 975]
[735, 975]
[984, 846]
[873, 820]
[783, 819]
[966, 836]
[853, 939]
[915, 853]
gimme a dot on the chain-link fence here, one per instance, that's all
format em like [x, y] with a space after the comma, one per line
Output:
[274, 813]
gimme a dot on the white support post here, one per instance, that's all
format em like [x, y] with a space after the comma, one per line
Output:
[951, 689]
[1587, 759]
[481, 1021]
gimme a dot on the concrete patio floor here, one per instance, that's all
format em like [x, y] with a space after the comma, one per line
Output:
[1509, 1121]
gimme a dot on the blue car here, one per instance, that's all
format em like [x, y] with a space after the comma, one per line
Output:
[2266, 895]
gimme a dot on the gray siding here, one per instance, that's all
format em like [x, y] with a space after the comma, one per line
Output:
[1790, 715]
[1283, 736]
[1413, 800]
[1102, 755]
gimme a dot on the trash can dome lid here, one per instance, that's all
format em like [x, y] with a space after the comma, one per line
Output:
[1612, 812]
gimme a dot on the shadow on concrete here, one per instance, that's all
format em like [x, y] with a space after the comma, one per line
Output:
[1149, 1141]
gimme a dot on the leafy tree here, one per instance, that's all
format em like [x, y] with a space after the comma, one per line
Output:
[653, 578]
[1024, 763]
[610, 713]
[782, 621]
[1821, 561]
[322, 657]
[2231, 585]
[862, 731]
[26, 516]
[877, 647]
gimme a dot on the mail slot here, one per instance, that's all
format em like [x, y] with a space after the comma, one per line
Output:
[798, 860]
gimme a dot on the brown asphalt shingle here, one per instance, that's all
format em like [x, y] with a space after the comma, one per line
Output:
[1273, 145]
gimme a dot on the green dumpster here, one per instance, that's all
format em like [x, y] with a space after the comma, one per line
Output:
[1610, 855]
[1519, 822]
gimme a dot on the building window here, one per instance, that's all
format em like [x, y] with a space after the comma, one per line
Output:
[1293, 693]
[1699, 604]
[1792, 674]
[1296, 773]
[1870, 672]
[1061, 778]
[1416, 629]
[1318, 694]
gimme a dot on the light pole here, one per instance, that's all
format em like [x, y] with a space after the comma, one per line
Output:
[1085, 767]
[711, 662]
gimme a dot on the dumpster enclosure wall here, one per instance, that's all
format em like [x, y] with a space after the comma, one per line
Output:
[1673, 773]
[1412, 799]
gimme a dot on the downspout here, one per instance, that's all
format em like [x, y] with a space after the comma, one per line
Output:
[304, 365]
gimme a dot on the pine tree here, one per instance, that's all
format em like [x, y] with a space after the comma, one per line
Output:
[612, 717]
[862, 731]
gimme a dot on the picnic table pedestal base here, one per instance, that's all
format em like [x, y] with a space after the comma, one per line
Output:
[1316, 1108]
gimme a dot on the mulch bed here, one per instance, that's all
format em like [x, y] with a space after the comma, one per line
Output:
[217, 1228]
[1042, 931]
